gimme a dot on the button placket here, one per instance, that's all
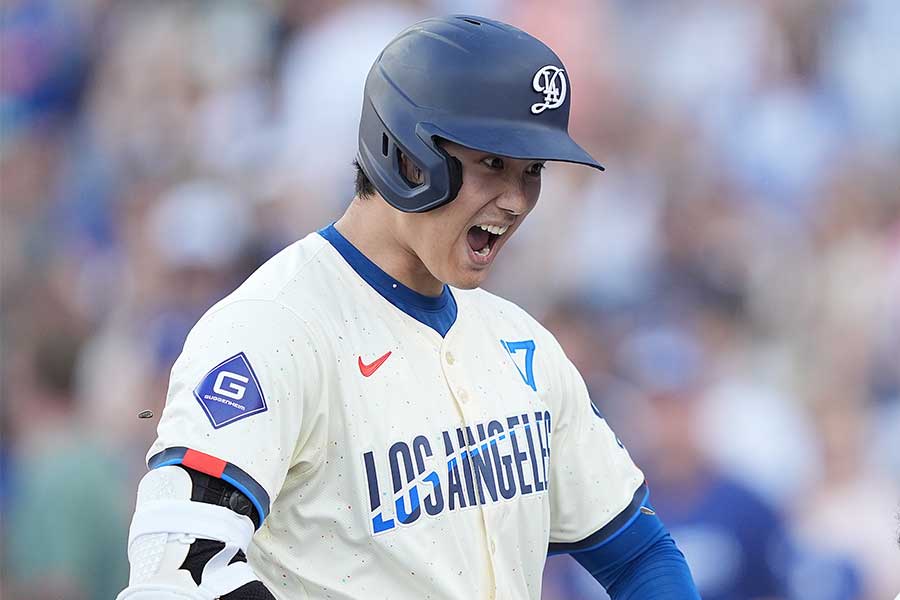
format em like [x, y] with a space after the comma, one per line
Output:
[454, 378]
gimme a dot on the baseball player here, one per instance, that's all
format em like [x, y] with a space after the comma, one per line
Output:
[358, 419]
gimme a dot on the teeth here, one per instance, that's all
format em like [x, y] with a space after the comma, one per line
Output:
[484, 251]
[495, 229]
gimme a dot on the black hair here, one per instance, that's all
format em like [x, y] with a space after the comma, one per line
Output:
[364, 187]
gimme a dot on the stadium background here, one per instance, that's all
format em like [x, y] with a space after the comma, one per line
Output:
[730, 287]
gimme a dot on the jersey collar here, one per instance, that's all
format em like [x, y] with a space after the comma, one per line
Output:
[437, 312]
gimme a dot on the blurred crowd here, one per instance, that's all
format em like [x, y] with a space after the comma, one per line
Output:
[729, 287]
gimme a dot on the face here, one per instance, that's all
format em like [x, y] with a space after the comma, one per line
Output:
[458, 242]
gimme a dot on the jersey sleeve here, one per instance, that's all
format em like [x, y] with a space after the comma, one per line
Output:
[242, 399]
[595, 488]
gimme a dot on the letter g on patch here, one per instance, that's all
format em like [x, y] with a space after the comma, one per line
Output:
[230, 391]
[235, 391]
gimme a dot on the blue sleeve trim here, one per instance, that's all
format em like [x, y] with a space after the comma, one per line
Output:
[659, 570]
[640, 561]
[230, 473]
[608, 532]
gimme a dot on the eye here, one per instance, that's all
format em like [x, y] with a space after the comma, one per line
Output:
[535, 169]
[493, 162]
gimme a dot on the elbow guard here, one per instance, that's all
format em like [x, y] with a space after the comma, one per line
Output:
[190, 549]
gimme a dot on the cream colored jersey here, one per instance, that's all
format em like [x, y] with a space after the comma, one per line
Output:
[389, 460]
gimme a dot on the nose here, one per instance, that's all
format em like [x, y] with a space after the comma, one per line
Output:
[514, 200]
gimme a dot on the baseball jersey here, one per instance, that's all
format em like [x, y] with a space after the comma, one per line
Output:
[397, 445]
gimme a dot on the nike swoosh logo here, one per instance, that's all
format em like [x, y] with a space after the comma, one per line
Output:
[367, 370]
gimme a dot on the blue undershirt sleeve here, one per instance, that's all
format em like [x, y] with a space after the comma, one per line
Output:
[640, 562]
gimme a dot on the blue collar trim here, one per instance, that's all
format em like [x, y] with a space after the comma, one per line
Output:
[437, 312]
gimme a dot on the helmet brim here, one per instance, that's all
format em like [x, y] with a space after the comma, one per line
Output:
[512, 140]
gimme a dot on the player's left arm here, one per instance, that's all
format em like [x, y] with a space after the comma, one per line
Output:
[641, 561]
[600, 511]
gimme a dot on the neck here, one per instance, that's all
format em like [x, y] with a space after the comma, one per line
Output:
[367, 225]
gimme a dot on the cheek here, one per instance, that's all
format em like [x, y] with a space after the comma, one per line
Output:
[532, 193]
[450, 220]
[434, 241]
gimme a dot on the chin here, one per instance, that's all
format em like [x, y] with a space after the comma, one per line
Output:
[469, 281]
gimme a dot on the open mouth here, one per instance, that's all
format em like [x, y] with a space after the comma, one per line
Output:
[482, 238]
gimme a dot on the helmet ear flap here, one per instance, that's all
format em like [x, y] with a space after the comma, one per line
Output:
[454, 170]
[455, 176]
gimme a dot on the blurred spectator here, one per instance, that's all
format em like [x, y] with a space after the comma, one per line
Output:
[322, 81]
[190, 243]
[43, 64]
[862, 45]
[826, 519]
[67, 524]
[731, 537]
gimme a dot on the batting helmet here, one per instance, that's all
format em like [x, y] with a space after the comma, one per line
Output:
[480, 83]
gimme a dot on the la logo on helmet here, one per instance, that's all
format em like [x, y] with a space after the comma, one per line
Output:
[551, 82]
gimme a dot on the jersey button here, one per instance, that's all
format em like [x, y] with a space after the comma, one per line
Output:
[493, 547]
[463, 395]
[449, 358]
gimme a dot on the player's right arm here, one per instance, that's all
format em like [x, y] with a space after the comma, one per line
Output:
[182, 547]
[242, 396]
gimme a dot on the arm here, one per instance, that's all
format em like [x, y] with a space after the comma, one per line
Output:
[188, 540]
[640, 561]
[236, 407]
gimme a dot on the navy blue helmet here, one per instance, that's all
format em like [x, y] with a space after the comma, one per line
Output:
[480, 83]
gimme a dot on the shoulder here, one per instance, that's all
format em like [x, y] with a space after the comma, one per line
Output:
[299, 263]
[488, 305]
[499, 312]
[276, 301]
[293, 285]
